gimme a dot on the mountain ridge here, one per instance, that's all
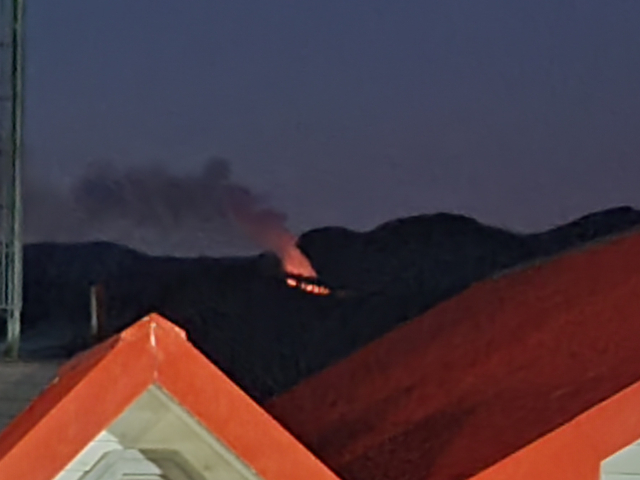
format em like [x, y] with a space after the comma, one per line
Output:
[266, 336]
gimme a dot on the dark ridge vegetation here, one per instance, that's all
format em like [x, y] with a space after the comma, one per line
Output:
[265, 335]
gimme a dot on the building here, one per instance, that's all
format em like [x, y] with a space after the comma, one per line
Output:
[147, 405]
[532, 375]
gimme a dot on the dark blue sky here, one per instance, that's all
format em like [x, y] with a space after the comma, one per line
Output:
[521, 113]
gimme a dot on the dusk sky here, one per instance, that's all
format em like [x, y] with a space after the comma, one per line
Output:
[523, 114]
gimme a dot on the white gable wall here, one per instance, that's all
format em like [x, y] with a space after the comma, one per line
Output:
[166, 436]
[624, 465]
[101, 445]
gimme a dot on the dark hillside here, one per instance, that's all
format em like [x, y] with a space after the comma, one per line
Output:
[241, 314]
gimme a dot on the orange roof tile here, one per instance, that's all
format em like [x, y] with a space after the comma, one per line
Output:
[458, 391]
[96, 387]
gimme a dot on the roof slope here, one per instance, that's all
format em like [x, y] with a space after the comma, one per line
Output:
[481, 376]
[93, 389]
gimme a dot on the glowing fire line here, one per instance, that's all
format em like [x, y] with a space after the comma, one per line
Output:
[267, 227]
[307, 286]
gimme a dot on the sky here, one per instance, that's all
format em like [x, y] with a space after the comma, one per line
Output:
[521, 114]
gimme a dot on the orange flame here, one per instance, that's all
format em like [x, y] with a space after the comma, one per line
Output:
[293, 260]
[267, 227]
[307, 286]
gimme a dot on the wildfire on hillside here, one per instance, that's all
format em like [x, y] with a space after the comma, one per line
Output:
[308, 285]
[267, 227]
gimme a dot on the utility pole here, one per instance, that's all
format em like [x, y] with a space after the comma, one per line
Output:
[11, 106]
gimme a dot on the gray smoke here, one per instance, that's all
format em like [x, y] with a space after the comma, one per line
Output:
[148, 208]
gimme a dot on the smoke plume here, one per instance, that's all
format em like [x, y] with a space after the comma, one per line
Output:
[266, 227]
[158, 211]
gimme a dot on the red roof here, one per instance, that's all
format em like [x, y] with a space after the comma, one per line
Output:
[458, 391]
[96, 387]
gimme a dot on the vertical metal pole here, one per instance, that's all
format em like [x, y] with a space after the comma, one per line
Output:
[13, 235]
[93, 299]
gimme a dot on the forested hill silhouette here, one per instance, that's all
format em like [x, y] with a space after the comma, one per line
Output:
[243, 316]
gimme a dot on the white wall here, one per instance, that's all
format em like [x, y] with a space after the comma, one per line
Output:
[624, 465]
